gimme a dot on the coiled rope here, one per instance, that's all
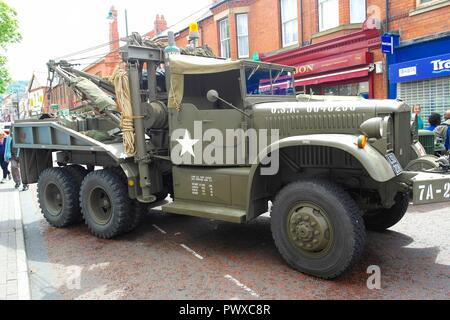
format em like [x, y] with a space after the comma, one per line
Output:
[123, 100]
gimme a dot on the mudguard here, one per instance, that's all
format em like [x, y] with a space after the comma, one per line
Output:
[373, 161]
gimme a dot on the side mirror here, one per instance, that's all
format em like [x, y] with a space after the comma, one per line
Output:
[212, 96]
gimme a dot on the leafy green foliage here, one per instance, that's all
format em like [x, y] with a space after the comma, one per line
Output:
[5, 79]
[9, 33]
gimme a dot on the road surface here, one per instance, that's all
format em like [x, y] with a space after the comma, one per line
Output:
[176, 257]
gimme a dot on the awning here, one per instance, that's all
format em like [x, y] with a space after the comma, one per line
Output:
[333, 77]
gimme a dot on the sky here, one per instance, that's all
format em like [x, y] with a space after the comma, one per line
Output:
[55, 28]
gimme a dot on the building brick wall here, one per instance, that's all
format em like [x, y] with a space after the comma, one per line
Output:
[265, 30]
[264, 26]
[265, 35]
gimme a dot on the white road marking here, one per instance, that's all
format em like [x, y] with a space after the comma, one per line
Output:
[239, 284]
[159, 229]
[195, 254]
[99, 266]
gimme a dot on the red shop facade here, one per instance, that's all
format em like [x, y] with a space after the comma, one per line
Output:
[342, 66]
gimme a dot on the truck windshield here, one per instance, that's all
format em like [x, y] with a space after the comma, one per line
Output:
[267, 82]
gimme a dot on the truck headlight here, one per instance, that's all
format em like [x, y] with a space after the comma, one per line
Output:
[377, 128]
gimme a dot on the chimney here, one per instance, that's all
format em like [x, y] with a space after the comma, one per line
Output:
[114, 32]
[160, 24]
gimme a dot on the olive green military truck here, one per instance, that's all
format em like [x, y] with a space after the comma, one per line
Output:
[229, 141]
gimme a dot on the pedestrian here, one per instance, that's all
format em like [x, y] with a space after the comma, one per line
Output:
[442, 132]
[3, 163]
[12, 155]
[417, 111]
[447, 117]
[434, 120]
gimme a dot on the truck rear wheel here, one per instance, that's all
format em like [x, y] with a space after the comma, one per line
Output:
[78, 173]
[381, 220]
[105, 204]
[58, 197]
[318, 228]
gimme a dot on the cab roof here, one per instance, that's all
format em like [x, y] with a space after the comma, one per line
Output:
[184, 64]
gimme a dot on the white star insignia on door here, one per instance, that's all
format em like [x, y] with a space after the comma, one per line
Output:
[187, 144]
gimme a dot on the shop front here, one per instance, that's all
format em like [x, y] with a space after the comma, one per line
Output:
[342, 66]
[419, 74]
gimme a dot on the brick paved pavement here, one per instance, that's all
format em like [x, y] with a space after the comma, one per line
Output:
[14, 282]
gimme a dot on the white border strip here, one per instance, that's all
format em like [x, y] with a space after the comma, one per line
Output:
[23, 280]
[239, 284]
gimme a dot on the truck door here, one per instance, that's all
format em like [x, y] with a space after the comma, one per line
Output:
[207, 129]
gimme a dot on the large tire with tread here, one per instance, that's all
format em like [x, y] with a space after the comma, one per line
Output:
[137, 214]
[78, 172]
[382, 220]
[59, 197]
[318, 228]
[105, 204]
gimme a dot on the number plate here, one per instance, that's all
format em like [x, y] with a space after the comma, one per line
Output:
[396, 166]
[431, 188]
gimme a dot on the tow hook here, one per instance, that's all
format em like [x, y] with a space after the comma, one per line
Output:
[406, 187]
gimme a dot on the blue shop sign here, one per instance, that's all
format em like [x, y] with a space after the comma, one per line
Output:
[432, 67]
[388, 43]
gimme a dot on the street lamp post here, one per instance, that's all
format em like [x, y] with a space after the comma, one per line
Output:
[126, 22]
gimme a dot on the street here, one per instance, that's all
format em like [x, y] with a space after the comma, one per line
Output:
[177, 257]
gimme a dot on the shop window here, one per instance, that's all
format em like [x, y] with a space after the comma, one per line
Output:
[360, 89]
[242, 35]
[328, 14]
[289, 22]
[224, 32]
[347, 90]
[358, 12]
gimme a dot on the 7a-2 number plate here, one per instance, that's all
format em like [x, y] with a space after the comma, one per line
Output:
[432, 190]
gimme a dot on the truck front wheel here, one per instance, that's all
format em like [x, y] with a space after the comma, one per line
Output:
[58, 197]
[105, 204]
[382, 220]
[318, 228]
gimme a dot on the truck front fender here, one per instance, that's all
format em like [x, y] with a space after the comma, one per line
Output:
[371, 160]
[375, 163]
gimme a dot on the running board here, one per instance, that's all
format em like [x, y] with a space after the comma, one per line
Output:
[204, 210]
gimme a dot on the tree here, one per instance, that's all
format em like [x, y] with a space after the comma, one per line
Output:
[9, 33]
